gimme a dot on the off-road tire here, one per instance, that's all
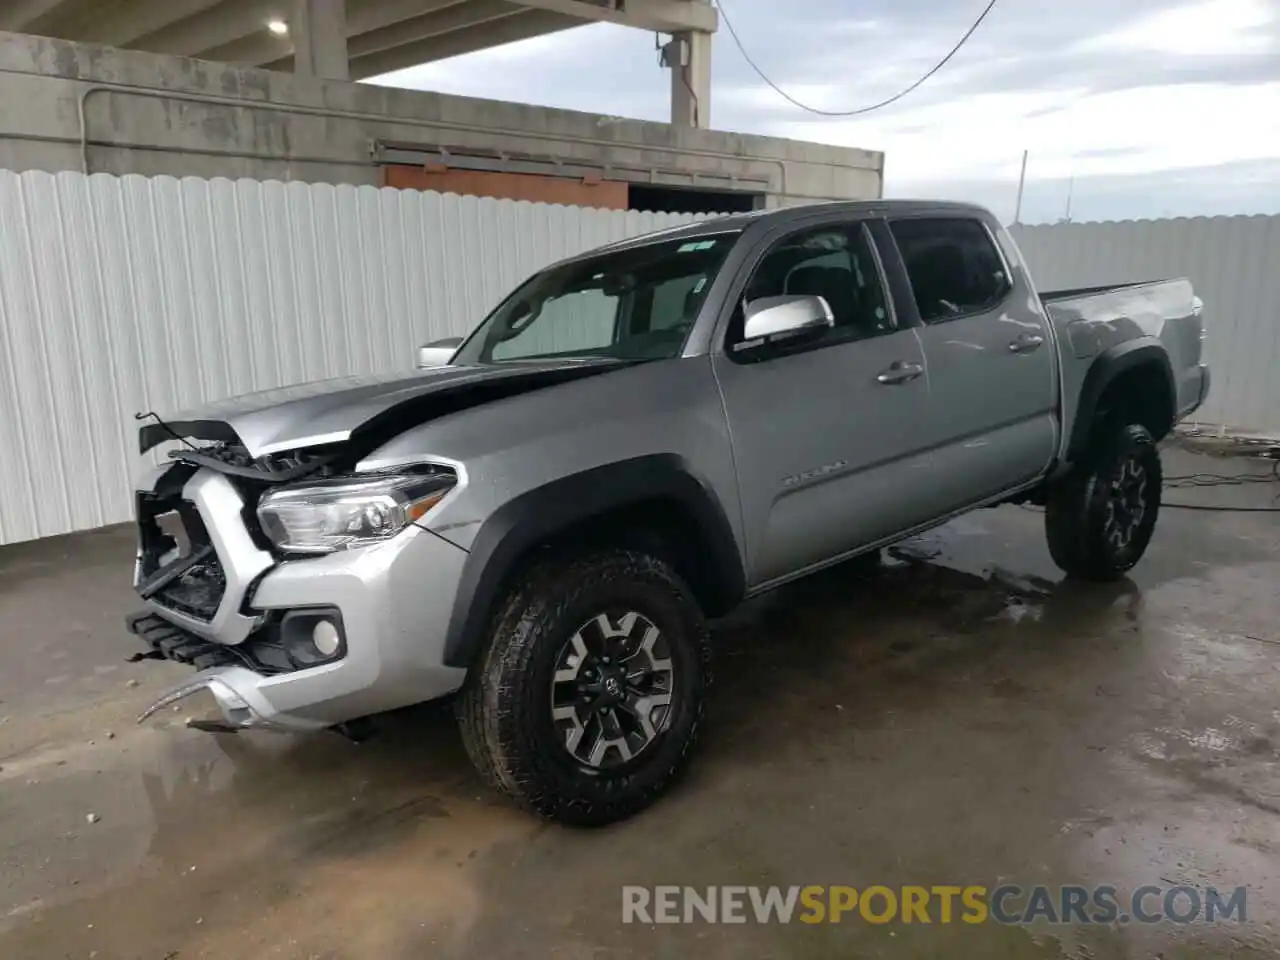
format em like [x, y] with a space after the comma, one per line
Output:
[503, 709]
[1077, 512]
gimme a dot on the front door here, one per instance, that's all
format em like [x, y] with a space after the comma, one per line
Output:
[827, 430]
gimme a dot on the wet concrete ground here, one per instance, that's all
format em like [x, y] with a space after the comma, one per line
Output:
[960, 717]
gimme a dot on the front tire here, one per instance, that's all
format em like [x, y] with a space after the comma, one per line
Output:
[1100, 517]
[586, 703]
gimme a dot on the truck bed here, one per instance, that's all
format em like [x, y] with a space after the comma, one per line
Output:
[1090, 320]
[1054, 296]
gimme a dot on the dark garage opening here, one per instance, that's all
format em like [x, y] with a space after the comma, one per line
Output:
[690, 200]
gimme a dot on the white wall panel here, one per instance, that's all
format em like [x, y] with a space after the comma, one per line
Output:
[120, 295]
[125, 294]
[1234, 264]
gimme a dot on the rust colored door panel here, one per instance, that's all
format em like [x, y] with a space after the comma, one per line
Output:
[606, 194]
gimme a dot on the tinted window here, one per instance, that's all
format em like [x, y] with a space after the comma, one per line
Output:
[636, 304]
[835, 263]
[954, 267]
[676, 301]
[580, 321]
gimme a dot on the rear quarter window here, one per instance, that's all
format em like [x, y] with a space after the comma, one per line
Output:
[954, 267]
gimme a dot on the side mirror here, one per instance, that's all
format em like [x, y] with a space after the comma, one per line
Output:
[788, 314]
[438, 353]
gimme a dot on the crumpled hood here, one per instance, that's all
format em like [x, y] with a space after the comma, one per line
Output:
[330, 411]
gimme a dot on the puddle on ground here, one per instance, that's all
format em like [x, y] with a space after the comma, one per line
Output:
[1099, 734]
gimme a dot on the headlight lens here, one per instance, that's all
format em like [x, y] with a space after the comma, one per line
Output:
[346, 512]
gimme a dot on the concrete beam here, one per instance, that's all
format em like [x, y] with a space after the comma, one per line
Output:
[688, 57]
[368, 16]
[456, 16]
[254, 45]
[364, 16]
[20, 15]
[262, 47]
[214, 27]
[660, 16]
[117, 29]
[518, 26]
[319, 33]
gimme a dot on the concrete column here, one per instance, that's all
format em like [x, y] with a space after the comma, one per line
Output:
[319, 33]
[688, 55]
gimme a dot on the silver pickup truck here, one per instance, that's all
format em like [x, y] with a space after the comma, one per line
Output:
[632, 442]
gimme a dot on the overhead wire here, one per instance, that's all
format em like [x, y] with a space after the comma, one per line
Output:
[1190, 480]
[737, 42]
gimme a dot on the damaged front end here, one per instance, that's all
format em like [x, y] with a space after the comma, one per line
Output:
[246, 566]
[200, 548]
[199, 555]
[264, 541]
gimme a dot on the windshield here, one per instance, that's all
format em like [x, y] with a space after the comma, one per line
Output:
[636, 304]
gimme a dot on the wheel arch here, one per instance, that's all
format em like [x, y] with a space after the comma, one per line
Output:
[651, 501]
[1136, 373]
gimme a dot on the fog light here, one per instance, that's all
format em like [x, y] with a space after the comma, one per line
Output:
[326, 638]
[313, 637]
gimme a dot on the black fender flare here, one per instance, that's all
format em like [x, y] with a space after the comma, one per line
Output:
[538, 515]
[1110, 364]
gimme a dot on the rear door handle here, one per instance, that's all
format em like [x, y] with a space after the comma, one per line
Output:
[1025, 343]
[900, 371]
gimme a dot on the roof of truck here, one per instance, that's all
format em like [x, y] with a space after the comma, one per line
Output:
[783, 215]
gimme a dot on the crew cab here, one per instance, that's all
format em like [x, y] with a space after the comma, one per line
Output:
[634, 441]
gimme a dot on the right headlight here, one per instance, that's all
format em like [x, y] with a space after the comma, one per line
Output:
[341, 513]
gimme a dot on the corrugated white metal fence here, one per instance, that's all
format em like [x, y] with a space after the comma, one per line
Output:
[126, 294]
[1234, 263]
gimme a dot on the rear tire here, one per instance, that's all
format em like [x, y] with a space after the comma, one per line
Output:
[1099, 518]
[586, 703]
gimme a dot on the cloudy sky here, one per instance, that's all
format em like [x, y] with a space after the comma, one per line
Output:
[1153, 107]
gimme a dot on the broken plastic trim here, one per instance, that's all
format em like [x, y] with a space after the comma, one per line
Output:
[237, 714]
[251, 473]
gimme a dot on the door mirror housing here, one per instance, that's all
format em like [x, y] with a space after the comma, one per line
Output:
[438, 353]
[789, 314]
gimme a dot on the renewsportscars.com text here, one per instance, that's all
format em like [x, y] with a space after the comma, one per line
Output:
[933, 904]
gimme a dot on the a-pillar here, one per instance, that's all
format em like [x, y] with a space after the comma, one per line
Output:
[319, 34]
[689, 57]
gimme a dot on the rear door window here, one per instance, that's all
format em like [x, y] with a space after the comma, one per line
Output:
[954, 267]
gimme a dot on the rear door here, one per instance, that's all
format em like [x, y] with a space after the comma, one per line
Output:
[992, 365]
[827, 430]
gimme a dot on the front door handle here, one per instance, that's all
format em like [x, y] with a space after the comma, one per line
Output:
[900, 371]
[1025, 343]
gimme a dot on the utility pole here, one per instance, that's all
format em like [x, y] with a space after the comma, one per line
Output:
[1071, 187]
[1022, 182]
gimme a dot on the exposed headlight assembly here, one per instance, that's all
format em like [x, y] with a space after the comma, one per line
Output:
[341, 513]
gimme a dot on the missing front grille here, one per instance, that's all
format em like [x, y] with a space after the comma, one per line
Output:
[178, 564]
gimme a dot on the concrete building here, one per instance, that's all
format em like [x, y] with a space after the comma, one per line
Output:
[72, 106]
[357, 39]
[261, 89]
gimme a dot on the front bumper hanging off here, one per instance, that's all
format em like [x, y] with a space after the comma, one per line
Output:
[222, 670]
[392, 602]
[237, 714]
